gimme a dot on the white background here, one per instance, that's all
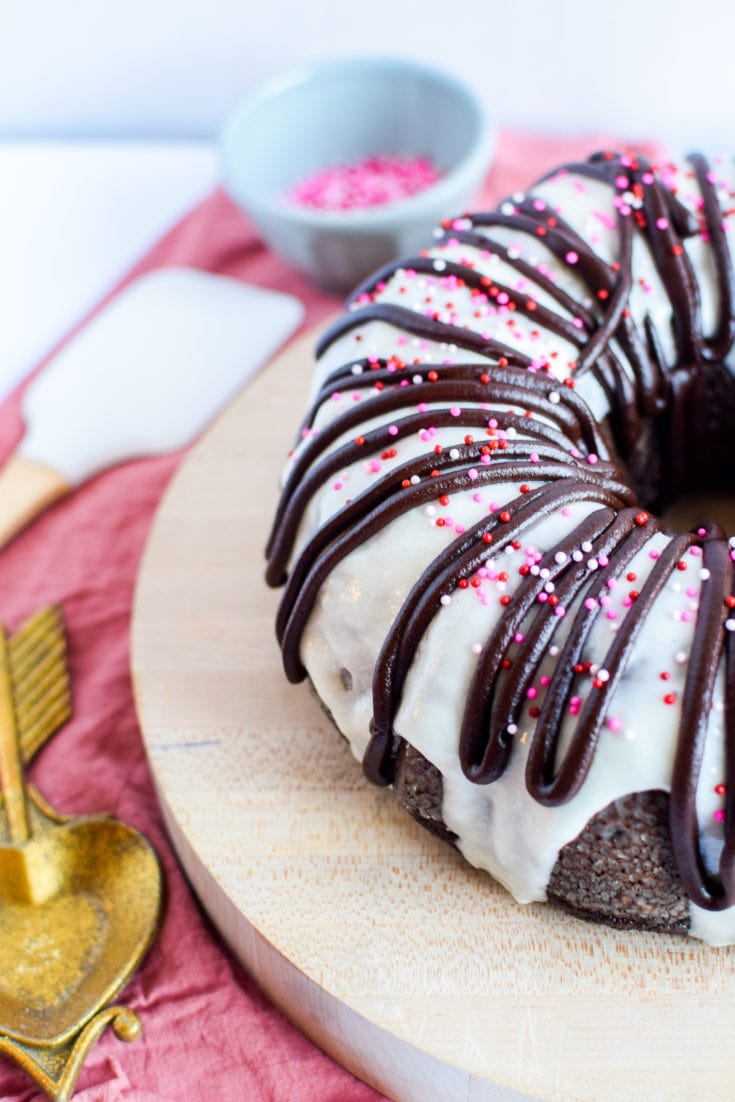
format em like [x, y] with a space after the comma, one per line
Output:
[109, 110]
[171, 68]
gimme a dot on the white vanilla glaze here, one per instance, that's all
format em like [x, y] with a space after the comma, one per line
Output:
[499, 826]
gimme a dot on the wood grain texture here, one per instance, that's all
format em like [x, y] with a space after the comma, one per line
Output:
[412, 969]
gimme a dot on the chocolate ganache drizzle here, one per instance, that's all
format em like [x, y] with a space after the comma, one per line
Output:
[517, 424]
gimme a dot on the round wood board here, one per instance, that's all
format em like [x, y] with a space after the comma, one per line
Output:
[410, 968]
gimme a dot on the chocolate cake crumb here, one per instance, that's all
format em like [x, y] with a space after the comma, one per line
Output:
[418, 787]
[621, 870]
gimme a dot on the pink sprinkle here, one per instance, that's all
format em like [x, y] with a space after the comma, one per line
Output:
[621, 182]
[472, 474]
[718, 815]
[532, 693]
[370, 182]
[572, 258]
[662, 223]
[590, 604]
[614, 723]
[653, 554]
[477, 497]
[393, 430]
[455, 411]
[611, 614]
[519, 637]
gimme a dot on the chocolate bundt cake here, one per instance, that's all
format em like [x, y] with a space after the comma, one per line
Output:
[476, 580]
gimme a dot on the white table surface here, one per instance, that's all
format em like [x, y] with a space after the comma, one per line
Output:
[73, 218]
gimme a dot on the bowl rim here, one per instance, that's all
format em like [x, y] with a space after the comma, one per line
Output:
[380, 217]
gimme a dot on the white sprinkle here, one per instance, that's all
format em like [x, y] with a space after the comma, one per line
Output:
[514, 252]
[535, 570]
[560, 557]
[553, 651]
[357, 369]
[587, 547]
[477, 648]
[554, 397]
[577, 556]
[549, 587]
[629, 734]
[512, 729]
[439, 265]
[730, 625]
[704, 574]
[417, 379]
[415, 480]
[592, 564]
[445, 599]
[430, 511]
[680, 658]
[544, 571]
[507, 208]
[454, 453]
[603, 675]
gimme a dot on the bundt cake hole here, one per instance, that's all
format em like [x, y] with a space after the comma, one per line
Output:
[681, 464]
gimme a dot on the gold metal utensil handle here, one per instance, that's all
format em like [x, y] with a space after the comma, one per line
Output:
[11, 774]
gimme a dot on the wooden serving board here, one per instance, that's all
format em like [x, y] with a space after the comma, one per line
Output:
[407, 966]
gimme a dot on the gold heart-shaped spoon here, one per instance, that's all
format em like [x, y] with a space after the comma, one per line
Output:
[80, 898]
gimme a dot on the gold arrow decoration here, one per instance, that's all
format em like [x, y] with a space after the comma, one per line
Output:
[39, 680]
[80, 898]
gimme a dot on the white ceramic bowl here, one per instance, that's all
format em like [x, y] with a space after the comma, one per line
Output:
[338, 112]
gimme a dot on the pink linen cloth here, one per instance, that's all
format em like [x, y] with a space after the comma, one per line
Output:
[208, 1031]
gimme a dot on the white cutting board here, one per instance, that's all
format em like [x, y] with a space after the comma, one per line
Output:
[143, 377]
